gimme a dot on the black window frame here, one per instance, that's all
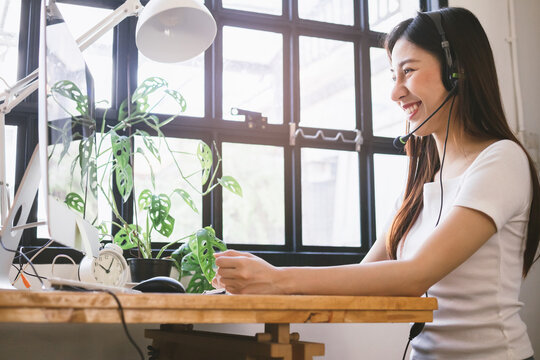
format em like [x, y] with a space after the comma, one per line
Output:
[211, 128]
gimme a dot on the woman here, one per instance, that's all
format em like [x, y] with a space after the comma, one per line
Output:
[461, 232]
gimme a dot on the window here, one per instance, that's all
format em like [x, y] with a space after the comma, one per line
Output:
[9, 42]
[314, 157]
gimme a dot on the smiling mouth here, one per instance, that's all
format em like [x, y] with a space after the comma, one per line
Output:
[412, 108]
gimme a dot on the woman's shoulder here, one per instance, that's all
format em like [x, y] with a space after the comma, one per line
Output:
[503, 151]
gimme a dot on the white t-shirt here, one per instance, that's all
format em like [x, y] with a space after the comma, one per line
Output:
[478, 301]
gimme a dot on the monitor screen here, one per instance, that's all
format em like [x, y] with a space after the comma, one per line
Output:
[67, 131]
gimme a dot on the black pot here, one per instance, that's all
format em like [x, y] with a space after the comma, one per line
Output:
[143, 269]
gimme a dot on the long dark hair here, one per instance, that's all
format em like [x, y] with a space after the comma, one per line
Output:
[478, 107]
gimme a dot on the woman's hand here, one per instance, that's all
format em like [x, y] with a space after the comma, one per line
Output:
[244, 273]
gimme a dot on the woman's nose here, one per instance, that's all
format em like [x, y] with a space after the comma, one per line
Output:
[398, 91]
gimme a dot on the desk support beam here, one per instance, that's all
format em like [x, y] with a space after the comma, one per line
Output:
[182, 342]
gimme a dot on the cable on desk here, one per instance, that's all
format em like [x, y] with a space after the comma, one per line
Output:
[25, 257]
[38, 251]
[121, 310]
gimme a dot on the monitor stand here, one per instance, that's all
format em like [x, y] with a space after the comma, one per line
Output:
[84, 236]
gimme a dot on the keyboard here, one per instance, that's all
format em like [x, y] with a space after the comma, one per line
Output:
[76, 285]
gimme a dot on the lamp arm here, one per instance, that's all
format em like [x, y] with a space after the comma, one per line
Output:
[127, 9]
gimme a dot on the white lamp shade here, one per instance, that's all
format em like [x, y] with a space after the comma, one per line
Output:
[174, 30]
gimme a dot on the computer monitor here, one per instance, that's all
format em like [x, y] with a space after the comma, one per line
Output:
[66, 161]
[67, 133]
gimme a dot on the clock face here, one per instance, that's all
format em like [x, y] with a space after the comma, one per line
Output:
[109, 269]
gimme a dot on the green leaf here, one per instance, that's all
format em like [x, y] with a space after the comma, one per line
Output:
[189, 263]
[178, 254]
[207, 243]
[71, 91]
[230, 183]
[187, 198]
[160, 206]
[150, 145]
[178, 98]
[121, 148]
[123, 111]
[75, 202]
[145, 199]
[166, 226]
[124, 180]
[128, 237]
[147, 87]
[204, 154]
[198, 284]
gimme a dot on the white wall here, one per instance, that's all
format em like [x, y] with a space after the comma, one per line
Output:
[343, 341]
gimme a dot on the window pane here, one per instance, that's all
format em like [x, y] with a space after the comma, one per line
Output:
[334, 11]
[388, 118]
[167, 178]
[259, 216]
[327, 84]
[390, 179]
[98, 56]
[9, 45]
[186, 77]
[11, 158]
[267, 6]
[330, 198]
[253, 73]
[385, 14]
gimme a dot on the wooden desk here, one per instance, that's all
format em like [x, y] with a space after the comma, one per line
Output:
[177, 311]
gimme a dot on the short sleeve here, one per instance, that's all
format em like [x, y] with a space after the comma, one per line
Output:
[498, 183]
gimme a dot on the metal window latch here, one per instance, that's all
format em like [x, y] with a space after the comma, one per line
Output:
[294, 132]
[252, 118]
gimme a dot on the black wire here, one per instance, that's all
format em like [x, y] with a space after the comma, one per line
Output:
[121, 310]
[443, 157]
[26, 258]
[28, 274]
[19, 257]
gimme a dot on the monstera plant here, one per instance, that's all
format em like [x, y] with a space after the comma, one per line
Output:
[113, 151]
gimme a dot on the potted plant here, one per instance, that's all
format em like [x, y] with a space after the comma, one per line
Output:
[114, 152]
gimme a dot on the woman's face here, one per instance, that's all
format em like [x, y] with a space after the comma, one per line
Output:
[418, 88]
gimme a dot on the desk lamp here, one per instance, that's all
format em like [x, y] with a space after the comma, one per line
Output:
[167, 31]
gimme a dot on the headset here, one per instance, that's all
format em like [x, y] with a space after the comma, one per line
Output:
[450, 77]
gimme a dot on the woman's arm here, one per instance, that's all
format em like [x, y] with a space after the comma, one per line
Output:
[457, 238]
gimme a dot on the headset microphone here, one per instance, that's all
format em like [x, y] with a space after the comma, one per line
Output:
[400, 141]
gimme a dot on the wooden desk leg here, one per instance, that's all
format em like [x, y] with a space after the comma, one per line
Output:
[174, 342]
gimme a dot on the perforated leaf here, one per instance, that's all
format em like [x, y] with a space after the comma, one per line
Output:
[160, 206]
[198, 284]
[204, 154]
[178, 98]
[75, 202]
[230, 183]
[187, 198]
[207, 244]
[166, 226]
[128, 236]
[145, 199]
[124, 180]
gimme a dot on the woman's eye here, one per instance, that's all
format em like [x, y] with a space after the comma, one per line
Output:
[407, 70]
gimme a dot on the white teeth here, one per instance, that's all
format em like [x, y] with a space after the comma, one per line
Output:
[411, 109]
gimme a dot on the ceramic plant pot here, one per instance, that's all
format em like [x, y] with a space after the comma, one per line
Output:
[142, 269]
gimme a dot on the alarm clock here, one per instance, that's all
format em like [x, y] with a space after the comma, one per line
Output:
[108, 268]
